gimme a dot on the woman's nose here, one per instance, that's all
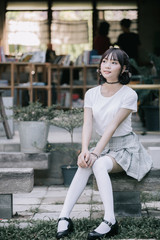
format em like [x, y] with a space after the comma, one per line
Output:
[107, 64]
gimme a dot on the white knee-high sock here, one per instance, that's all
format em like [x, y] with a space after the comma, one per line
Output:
[76, 188]
[100, 169]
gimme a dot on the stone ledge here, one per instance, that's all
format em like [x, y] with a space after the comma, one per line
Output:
[122, 182]
[14, 180]
[155, 154]
[24, 160]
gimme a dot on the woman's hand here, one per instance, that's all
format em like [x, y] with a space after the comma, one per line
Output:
[91, 160]
[83, 159]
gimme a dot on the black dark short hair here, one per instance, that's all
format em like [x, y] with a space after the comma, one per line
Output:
[125, 22]
[104, 28]
[122, 57]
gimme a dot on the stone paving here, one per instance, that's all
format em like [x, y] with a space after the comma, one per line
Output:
[45, 203]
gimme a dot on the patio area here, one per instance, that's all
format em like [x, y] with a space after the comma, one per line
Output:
[45, 202]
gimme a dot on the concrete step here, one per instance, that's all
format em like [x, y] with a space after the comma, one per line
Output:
[149, 139]
[155, 154]
[38, 161]
[14, 180]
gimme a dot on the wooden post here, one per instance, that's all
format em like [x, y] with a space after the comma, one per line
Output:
[4, 118]
[94, 18]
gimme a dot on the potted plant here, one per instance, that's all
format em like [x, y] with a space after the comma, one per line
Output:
[33, 124]
[69, 120]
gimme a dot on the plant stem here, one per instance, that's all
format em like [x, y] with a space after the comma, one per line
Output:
[71, 132]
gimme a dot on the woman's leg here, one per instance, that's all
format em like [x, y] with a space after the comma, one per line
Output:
[100, 169]
[76, 188]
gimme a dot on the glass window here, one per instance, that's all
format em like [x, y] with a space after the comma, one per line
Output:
[26, 31]
[71, 32]
[115, 16]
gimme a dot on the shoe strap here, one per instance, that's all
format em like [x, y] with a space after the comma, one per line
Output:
[63, 218]
[108, 223]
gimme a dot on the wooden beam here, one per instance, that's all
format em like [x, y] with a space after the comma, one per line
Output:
[94, 18]
[49, 19]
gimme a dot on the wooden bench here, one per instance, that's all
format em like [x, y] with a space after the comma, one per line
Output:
[13, 180]
[126, 191]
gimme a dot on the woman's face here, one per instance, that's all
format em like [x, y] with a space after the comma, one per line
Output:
[110, 68]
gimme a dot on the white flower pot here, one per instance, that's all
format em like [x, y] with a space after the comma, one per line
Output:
[33, 136]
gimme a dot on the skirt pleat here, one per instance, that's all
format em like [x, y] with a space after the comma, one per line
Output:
[130, 154]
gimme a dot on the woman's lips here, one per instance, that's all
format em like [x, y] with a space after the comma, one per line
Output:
[107, 72]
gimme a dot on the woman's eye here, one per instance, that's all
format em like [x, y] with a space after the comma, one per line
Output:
[114, 62]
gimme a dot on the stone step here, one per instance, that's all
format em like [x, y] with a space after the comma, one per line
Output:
[14, 180]
[151, 139]
[9, 146]
[37, 161]
[155, 154]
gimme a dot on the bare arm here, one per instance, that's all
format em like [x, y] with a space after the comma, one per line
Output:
[109, 131]
[86, 136]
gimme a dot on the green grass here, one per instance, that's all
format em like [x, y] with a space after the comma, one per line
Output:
[135, 228]
[150, 196]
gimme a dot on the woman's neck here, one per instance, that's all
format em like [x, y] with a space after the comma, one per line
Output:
[114, 82]
[108, 90]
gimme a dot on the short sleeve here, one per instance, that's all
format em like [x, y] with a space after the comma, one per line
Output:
[130, 101]
[88, 99]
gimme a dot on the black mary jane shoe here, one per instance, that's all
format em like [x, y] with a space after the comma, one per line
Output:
[67, 231]
[114, 231]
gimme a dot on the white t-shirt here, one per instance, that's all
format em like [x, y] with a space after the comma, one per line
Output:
[105, 108]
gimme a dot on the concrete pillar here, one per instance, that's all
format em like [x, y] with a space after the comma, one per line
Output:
[148, 26]
[6, 206]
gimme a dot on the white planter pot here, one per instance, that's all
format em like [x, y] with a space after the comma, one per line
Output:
[33, 136]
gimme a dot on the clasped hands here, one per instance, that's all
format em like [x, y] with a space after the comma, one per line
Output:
[86, 159]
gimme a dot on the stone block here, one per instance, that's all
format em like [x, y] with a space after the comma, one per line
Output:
[127, 203]
[9, 147]
[60, 156]
[24, 160]
[6, 206]
[132, 210]
[14, 180]
[122, 182]
[155, 154]
[128, 197]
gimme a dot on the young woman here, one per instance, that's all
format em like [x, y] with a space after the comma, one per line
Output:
[108, 108]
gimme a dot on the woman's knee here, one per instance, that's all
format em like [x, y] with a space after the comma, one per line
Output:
[84, 171]
[103, 163]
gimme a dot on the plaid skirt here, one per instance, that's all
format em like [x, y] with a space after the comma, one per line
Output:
[130, 154]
